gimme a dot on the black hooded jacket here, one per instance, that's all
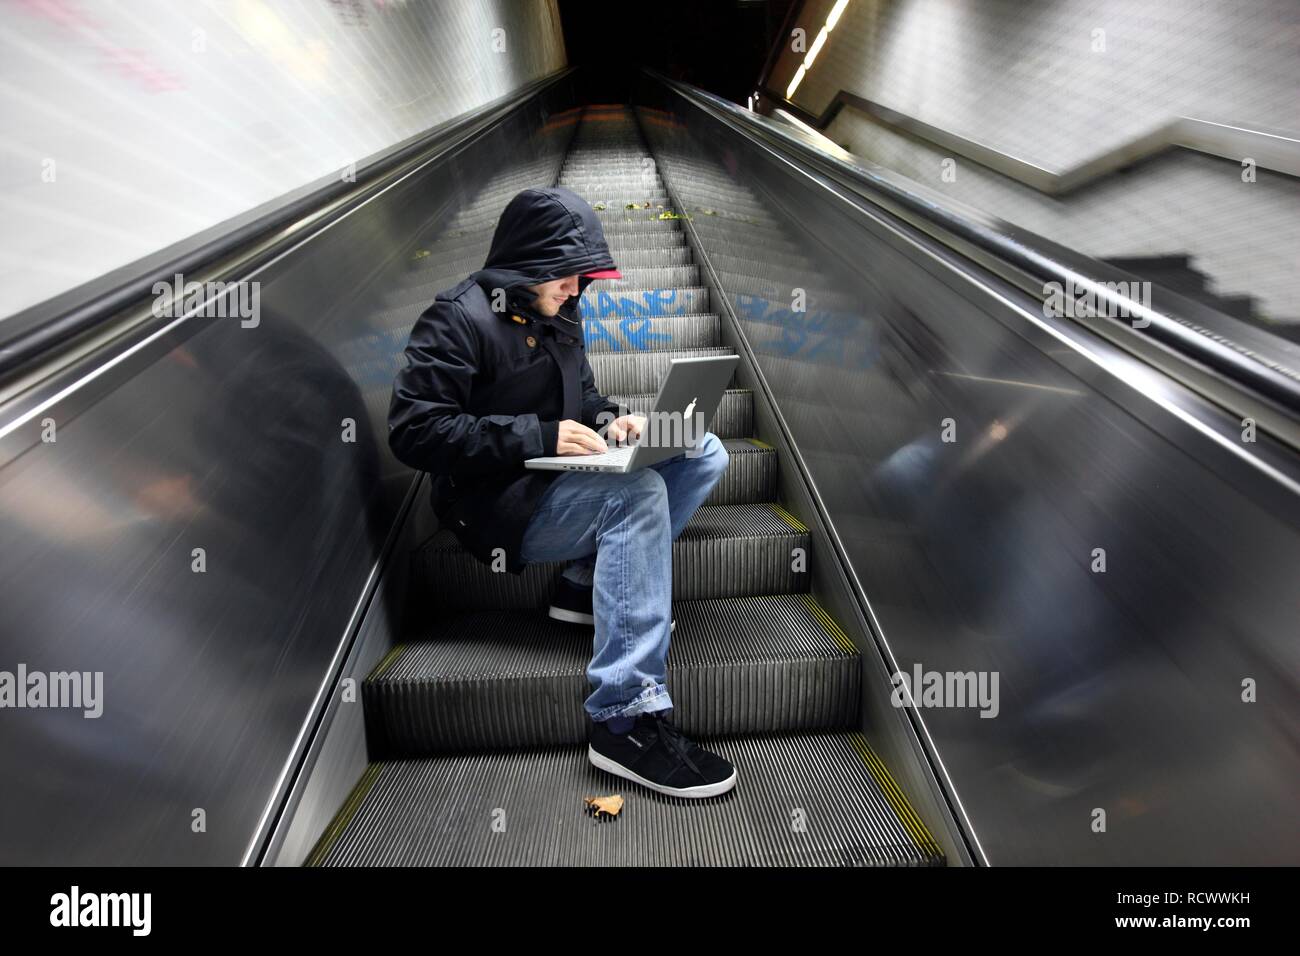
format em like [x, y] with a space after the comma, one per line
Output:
[484, 389]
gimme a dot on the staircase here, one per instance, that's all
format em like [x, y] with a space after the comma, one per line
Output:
[476, 725]
[1177, 274]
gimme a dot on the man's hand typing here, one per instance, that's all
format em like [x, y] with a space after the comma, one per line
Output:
[575, 438]
[626, 427]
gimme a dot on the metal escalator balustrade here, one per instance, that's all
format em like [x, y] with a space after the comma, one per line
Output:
[973, 557]
[1232, 363]
[480, 711]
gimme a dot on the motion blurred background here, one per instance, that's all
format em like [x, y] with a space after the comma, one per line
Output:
[115, 110]
[865, 200]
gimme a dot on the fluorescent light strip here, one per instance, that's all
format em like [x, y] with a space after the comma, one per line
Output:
[794, 84]
[816, 47]
[806, 65]
[834, 18]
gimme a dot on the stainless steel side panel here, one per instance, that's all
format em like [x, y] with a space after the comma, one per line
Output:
[1125, 731]
[199, 534]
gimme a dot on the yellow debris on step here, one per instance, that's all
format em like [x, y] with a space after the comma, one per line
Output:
[604, 806]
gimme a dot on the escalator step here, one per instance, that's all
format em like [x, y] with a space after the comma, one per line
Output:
[642, 371]
[632, 302]
[623, 242]
[724, 551]
[734, 418]
[618, 190]
[631, 211]
[637, 277]
[650, 333]
[613, 199]
[751, 474]
[643, 228]
[441, 812]
[636, 258]
[499, 679]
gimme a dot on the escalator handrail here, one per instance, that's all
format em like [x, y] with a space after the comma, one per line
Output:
[1034, 255]
[30, 334]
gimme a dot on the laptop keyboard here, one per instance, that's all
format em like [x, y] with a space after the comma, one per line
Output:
[615, 456]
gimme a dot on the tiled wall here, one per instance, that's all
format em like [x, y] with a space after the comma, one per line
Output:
[1024, 78]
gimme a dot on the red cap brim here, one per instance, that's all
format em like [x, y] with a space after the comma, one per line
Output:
[604, 274]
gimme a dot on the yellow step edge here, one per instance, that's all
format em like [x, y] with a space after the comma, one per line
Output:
[828, 622]
[912, 823]
[379, 669]
[344, 816]
[788, 518]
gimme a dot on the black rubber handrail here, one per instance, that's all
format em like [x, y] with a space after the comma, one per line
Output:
[27, 335]
[1034, 255]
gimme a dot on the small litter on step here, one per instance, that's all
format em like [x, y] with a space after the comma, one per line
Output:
[604, 806]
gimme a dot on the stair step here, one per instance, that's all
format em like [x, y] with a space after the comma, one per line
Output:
[751, 475]
[1176, 273]
[614, 160]
[621, 188]
[643, 214]
[439, 812]
[650, 333]
[632, 302]
[642, 371]
[640, 257]
[734, 419]
[673, 242]
[1177, 261]
[644, 230]
[642, 277]
[1237, 306]
[724, 551]
[615, 198]
[516, 678]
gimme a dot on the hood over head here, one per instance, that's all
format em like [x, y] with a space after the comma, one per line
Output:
[545, 234]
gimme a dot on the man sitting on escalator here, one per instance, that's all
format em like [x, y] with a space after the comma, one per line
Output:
[497, 373]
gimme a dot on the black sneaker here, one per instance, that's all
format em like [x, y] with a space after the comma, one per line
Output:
[572, 603]
[655, 754]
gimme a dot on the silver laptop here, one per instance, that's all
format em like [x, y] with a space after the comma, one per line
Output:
[682, 412]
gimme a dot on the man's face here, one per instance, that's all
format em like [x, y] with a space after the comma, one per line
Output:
[551, 295]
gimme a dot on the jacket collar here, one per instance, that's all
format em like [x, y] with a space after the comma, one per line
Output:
[564, 326]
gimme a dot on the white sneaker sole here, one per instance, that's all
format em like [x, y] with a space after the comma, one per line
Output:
[602, 762]
[577, 617]
[572, 617]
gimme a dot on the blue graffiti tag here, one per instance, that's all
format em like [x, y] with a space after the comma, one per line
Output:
[635, 330]
[819, 334]
[653, 302]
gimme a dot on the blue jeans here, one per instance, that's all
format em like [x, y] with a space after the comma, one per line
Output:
[618, 530]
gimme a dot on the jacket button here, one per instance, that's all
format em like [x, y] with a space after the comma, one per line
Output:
[532, 342]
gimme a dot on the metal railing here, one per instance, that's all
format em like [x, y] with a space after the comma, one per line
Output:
[260, 236]
[1178, 337]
